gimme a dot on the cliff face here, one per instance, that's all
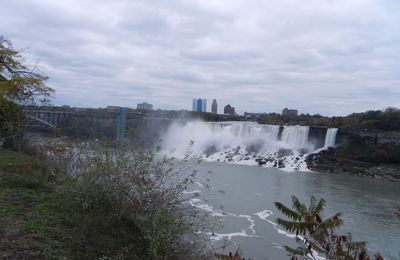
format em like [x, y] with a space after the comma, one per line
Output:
[332, 161]
[361, 151]
[316, 136]
[368, 137]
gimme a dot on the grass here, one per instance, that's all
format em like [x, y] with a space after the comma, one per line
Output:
[33, 223]
[44, 215]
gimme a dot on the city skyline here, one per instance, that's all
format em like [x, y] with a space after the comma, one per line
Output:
[214, 106]
[199, 105]
[326, 57]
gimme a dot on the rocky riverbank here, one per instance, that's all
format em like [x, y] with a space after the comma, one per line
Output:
[331, 161]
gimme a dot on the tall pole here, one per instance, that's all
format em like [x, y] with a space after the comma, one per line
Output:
[121, 123]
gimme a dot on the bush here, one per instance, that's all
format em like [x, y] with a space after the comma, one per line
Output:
[21, 171]
[129, 203]
[316, 235]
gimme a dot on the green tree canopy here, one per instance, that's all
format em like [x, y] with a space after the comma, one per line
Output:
[19, 85]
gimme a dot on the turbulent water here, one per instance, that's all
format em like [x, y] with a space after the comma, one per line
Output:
[330, 137]
[244, 143]
[242, 199]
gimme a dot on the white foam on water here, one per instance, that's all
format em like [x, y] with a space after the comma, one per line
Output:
[191, 191]
[283, 147]
[252, 222]
[276, 245]
[195, 202]
[201, 185]
[264, 214]
[229, 236]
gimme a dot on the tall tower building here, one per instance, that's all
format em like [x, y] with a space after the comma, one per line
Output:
[194, 105]
[199, 105]
[214, 107]
[204, 108]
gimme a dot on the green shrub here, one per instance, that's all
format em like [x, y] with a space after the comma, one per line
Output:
[21, 171]
[129, 203]
[316, 235]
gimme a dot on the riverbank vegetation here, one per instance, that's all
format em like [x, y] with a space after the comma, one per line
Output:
[19, 85]
[80, 202]
[317, 236]
[385, 120]
[112, 204]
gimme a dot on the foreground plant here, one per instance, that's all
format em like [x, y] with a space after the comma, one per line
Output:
[19, 85]
[316, 235]
[130, 203]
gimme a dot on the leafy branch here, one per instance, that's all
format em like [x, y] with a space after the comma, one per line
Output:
[316, 235]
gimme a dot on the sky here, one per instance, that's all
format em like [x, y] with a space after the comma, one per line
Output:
[331, 57]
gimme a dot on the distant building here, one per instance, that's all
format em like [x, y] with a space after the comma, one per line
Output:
[199, 105]
[112, 108]
[229, 110]
[214, 107]
[289, 112]
[145, 106]
[254, 115]
[194, 105]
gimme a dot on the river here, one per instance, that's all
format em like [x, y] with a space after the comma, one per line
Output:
[242, 199]
[247, 192]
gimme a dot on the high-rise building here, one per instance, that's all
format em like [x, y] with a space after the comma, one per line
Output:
[229, 110]
[214, 107]
[289, 112]
[145, 106]
[194, 105]
[199, 105]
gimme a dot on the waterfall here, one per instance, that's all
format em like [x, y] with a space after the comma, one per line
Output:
[330, 137]
[295, 136]
[242, 142]
[222, 136]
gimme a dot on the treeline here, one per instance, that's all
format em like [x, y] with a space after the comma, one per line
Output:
[386, 120]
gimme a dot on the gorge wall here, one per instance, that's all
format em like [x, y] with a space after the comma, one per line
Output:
[365, 152]
[272, 145]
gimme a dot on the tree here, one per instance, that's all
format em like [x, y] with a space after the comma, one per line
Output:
[316, 235]
[19, 85]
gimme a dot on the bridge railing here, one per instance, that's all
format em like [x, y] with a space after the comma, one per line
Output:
[49, 118]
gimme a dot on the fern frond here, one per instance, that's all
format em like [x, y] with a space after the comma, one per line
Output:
[300, 228]
[333, 222]
[357, 245]
[300, 251]
[287, 212]
[312, 204]
[299, 207]
[320, 206]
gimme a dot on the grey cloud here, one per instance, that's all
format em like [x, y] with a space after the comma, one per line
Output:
[330, 57]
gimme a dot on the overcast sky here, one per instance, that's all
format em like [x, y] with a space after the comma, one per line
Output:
[331, 57]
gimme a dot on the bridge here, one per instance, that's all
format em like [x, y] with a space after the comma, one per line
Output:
[48, 118]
